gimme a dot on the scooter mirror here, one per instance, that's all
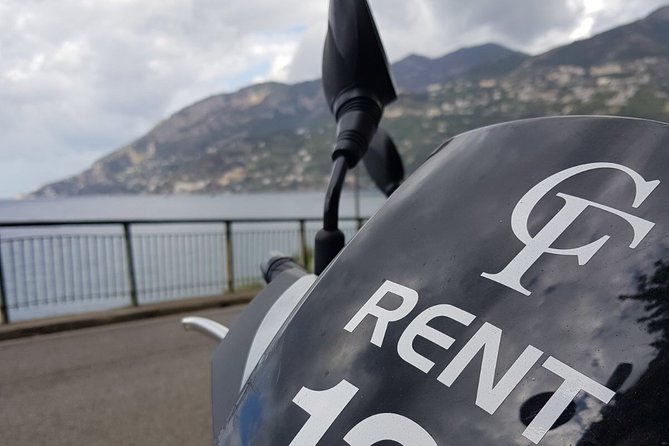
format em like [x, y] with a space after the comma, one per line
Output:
[383, 163]
[357, 86]
[354, 58]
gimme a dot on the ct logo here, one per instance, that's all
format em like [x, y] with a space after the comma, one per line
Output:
[541, 243]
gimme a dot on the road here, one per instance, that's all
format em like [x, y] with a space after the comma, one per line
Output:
[136, 383]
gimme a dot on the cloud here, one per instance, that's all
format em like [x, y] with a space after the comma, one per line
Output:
[610, 13]
[79, 78]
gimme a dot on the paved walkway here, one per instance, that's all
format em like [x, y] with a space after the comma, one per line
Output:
[144, 382]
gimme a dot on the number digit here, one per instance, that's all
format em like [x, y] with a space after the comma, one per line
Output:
[389, 426]
[323, 408]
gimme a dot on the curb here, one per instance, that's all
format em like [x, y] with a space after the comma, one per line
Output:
[58, 324]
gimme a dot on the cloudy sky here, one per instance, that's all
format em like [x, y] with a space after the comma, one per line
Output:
[79, 78]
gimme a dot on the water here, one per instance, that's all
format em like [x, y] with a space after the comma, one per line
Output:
[51, 271]
[238, 206]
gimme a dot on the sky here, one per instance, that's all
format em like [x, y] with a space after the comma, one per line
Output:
[80, 78]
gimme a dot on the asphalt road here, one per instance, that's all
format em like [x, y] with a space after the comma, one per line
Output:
[136, 383]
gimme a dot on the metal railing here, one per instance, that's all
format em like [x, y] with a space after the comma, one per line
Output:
[61, 267]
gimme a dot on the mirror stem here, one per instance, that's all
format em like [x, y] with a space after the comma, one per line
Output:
[331, 210]
[330, 240]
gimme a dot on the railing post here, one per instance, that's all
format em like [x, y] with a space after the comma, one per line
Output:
[303, 244]
[132, 284]
[4, 314]
[229, 267]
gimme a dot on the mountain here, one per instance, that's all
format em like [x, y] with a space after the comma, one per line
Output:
[259, 137]
[415, 73]
[644, 38]
[276, 137]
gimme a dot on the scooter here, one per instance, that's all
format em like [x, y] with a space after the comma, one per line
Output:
[513, 290]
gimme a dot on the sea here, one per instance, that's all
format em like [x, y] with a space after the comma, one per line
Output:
[53, 271]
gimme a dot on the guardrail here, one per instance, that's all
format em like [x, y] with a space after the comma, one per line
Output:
[58, 267]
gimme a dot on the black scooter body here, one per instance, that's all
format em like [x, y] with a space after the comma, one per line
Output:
[601, 322]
